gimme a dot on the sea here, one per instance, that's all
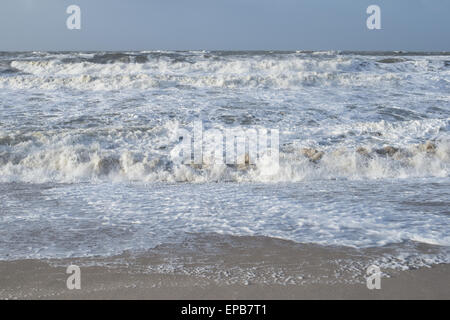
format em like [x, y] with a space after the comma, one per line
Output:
[87, 164]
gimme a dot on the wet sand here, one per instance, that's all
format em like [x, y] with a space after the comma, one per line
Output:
[37, 280]
[224, 268]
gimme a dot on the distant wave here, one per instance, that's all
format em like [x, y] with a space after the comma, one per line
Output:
[116, 71]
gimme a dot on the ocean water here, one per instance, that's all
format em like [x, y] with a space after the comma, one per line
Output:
[87, 140]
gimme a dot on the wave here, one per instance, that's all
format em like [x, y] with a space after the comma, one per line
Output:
[85, 155]
[114, 71]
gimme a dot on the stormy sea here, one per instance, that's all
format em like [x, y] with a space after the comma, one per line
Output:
[89, 170]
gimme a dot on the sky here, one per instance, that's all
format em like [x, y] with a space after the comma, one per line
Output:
[40, 25]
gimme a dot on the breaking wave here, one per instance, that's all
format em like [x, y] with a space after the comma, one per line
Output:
[145, 155]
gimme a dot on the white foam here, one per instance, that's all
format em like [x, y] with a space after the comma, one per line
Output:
[87, 155]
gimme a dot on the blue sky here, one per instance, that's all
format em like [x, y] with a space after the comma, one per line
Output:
[225, 25]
